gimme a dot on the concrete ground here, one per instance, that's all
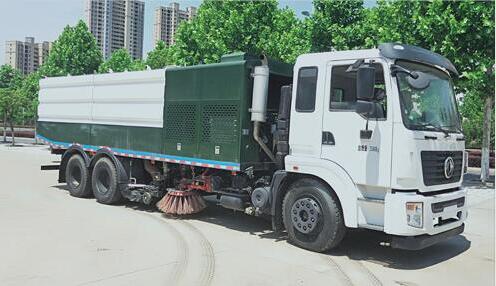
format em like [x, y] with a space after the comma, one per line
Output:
[48, 237]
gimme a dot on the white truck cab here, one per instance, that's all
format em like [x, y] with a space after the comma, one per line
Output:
[381, 129]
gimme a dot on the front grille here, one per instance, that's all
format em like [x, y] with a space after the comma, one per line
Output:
[433, 167]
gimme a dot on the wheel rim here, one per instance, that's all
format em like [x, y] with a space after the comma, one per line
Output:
[305, 214]
[76, 176]
[103, 181]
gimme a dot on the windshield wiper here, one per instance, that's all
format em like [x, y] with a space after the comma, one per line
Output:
[456, 127]
[434, 127]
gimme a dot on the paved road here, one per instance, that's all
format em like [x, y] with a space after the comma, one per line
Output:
[50, 238]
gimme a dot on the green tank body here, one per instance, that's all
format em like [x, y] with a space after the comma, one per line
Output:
[205, 117]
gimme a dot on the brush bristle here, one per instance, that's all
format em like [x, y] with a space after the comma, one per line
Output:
[181, 203]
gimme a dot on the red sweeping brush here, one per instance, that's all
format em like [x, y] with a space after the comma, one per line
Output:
[181, 203]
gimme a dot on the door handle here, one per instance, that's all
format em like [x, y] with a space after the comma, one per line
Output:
[328, 138]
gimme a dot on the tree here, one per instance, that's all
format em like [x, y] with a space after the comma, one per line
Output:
[9, 76]
[11, 103]
[336, 24]
[478, 108]
[9, 79]
[160, 57]
[393, 21]
[223, 27]
[28, 90]
[120, 61]
[287, 39]
[75, 52]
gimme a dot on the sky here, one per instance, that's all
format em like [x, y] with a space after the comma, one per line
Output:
[45, 19]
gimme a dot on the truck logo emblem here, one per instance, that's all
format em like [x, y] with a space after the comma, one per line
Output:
[449, 167]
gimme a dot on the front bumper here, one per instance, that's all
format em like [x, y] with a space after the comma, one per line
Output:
[441, 213]
[424, 240]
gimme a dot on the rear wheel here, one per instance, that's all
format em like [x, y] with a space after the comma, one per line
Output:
[104, 182]
[77, 177]
[312, 216]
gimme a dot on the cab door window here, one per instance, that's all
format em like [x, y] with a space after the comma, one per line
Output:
[343, 91]
[307, 89]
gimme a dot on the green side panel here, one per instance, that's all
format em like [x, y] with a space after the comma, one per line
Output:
[147, 139]
[64, 132]
[202, 110]
[181, 128]
[206, 112]
[220, 131]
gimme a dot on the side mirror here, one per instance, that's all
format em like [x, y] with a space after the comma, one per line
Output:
[365, 83]
[364, 107]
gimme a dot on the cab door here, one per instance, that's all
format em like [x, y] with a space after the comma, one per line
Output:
[367, 161]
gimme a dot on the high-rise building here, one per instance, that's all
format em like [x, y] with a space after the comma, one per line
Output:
[117, 24]
[167, 20]
[26, 56]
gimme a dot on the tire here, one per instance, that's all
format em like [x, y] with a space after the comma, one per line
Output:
[324, 227]
[104, 182]
[77, 177]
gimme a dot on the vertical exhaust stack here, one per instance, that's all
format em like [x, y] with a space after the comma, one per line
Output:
[260, 92]
[259, 103]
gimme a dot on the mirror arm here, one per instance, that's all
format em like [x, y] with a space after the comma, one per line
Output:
[399, 69]
[355, 66]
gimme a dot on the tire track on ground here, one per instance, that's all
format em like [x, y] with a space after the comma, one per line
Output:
[208, 270]
[374, 279]
[347, 275]
[182, 248]
[188, 237]
[337, 269]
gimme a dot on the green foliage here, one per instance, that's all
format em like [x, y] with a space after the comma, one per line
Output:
[336, 24]
[287, 39]
[120, 61]
[473, 118]
[11, 103]
[393, 21]
[75, 52]
[28, 93]
[222, 27]
[138, 65]
[160, 57]
[9, 77]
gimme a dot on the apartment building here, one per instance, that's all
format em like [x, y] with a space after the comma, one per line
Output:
[26, 56]
[117, 24]
[167, 20]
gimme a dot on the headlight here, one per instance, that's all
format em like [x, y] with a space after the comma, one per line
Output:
[465, 161]
[414, 214]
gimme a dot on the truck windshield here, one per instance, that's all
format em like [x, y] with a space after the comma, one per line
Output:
[427, 102]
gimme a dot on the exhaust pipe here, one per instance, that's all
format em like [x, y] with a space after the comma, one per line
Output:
[259, 103]
[256, 136]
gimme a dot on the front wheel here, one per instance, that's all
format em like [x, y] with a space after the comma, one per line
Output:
[312, 216]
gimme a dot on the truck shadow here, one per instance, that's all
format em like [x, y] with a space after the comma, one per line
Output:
[359, 245]
[364, 245]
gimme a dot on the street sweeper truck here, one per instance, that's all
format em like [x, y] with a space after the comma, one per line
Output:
[339, 140]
